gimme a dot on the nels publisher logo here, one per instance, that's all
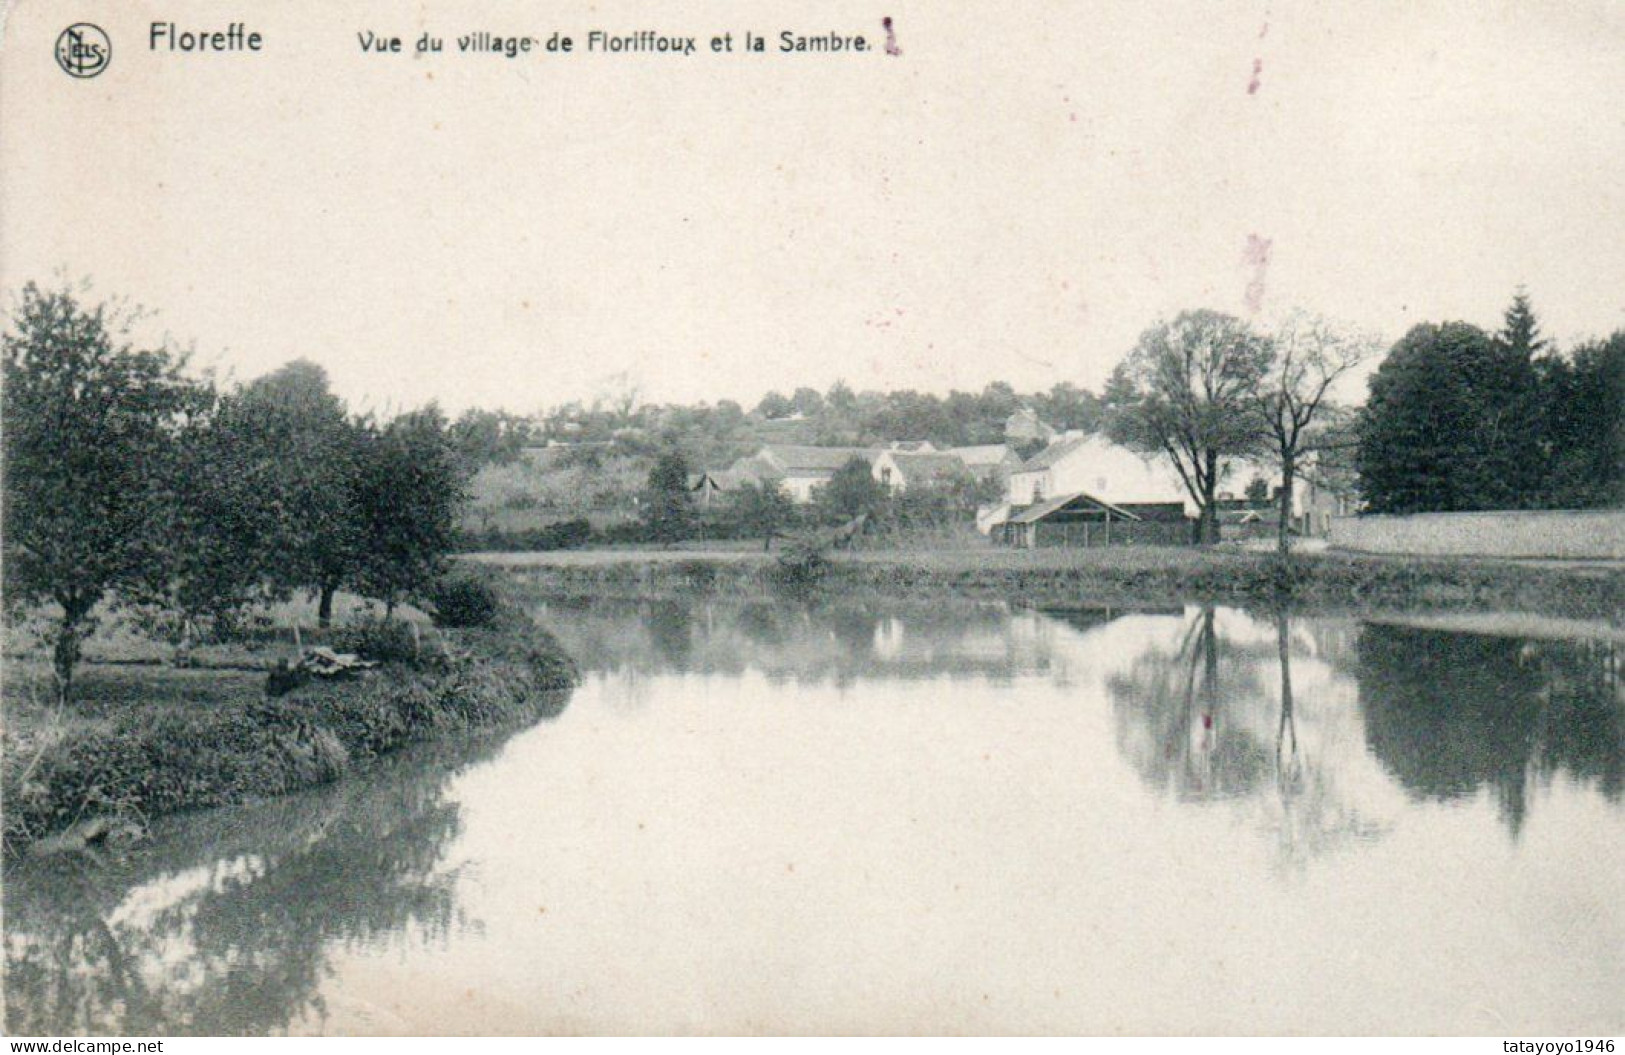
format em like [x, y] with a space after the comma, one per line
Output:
[83, 50]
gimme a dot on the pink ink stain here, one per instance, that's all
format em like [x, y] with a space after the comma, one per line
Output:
[891, 37]
[1256, 256]
[1252, 85]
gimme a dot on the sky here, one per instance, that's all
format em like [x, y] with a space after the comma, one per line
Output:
[1015, 196]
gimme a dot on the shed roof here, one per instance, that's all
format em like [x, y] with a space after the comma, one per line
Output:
[1039, 510]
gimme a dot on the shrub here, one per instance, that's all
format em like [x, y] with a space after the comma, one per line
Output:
[700, 575]
[561, 534]
[466, 601]
[380, 640]
[801, 567]
[566, 534]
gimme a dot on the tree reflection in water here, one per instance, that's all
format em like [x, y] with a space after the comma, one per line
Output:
[1200, 721]
[1446, 713]
[224, 923]
[1451, 713]
[1184, 718]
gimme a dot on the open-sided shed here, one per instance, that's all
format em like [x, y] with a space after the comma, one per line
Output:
[1084, 520]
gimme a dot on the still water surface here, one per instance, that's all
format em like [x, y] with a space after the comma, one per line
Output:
[756, 817]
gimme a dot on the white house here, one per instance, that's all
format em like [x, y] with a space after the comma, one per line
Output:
[900, 470]
[1091, 464]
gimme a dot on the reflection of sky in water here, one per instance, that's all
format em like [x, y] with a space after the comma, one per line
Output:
[758, 817]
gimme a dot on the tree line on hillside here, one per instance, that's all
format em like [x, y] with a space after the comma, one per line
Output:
[716, 434]
[126, 478]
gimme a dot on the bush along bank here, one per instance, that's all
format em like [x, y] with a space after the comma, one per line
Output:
[103, 783]
[1145, 576]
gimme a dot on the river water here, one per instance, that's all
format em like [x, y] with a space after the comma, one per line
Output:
[761, 817]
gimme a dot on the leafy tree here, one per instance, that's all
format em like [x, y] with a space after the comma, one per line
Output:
[936, 503]
[1416, 417]
[1258, 491]
[1186, 392]
[1066, 406]
[1292, 400]
[488, 437]
[852, 491]
[668, 506]
[807, 401]
[219, 521]
[409, 489]
[90, 424]
[1450, 424]
[774, 405]
[308, 450]
[760, 509]
[999, 400]
[1583, 425]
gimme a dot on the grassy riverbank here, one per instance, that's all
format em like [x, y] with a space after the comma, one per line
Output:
[1125, 574]
[140, 739]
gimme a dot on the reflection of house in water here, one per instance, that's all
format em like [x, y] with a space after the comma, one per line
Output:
[811, 643]
[1089, 618]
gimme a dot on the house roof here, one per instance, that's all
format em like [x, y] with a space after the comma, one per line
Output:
[926, 468]
[1039, 510]
[990, 454]
[1052, 454]
[793, 458]
[721, 479]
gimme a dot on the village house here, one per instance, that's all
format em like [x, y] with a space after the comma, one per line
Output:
[1087, 480]
[1324, 493]
[899, 471]
[991, 461]
[1080, 463]
[1024, 427]
[798, 469]
[1075, 489]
